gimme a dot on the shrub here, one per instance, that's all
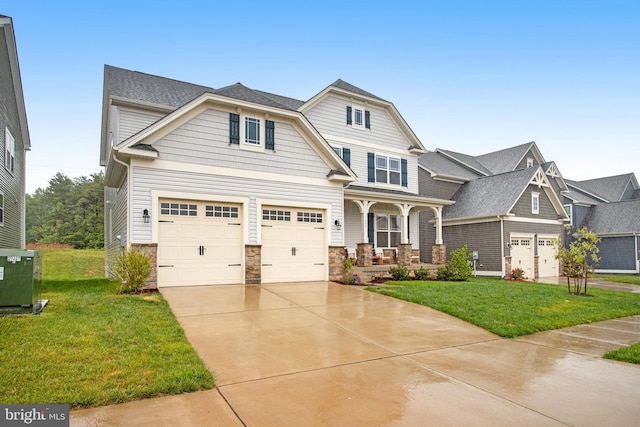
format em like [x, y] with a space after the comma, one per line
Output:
[517, 274]
[131, 269]
[421, 273]
[458, 268]
[399, 273]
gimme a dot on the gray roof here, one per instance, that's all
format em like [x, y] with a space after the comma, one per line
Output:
[466, 160]
[148, 88]
[610, 188]
[489, 196]
[504, 160]
[618, 217]
[441, 165]
[341, 84]
[243, 93]
[580, 197]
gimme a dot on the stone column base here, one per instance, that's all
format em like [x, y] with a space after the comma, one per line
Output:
[507, 267]
[337, 255]
[253, 264]
[404, 254]
[364, 255]
[439, 254]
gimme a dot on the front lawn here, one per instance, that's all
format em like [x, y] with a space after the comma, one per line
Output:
[512, 309]
[633, 279]
[91, 346]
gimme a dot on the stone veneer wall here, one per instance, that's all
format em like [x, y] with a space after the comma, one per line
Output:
[404, 254]
[253, 264]
[439, 254]
[364, 255]
[337, 255]
[507, 267]
[150, 249]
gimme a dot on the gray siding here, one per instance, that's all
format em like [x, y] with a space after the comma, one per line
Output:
[115, 221]
[579, 213]
[205, 140]
[430, 187]
[617, 253]
[133, 121]
[11, 185]
[148, 179]
[523, 162]
[628, 192]
[482, 237]
[522, 208]
[427, 235]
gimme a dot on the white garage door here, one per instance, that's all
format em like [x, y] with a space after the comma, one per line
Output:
[547, 262]
[522, 255]
[199, 243]
[293, 245]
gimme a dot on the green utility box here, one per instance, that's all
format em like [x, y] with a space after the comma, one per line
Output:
[20, 281]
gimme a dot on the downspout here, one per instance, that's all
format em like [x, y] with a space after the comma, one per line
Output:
[502, 247]
[115, 159]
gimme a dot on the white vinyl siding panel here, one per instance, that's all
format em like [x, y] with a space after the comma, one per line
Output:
[132, 122]
[148, 179]
[115, 220]
[328, 117]
[205, 140]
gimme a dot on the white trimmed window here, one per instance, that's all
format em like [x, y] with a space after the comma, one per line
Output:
[529, 162]
[252, 131]
[569, 210]
[358, 117]
[1, 209]
[387, 170]
[388, 230]
[254, 135]
[535, 203]
[10, 151]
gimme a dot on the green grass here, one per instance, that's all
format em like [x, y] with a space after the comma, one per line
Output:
[512, 309]
[633, 279]
[68, 264]
[91, 346]
[629, 354]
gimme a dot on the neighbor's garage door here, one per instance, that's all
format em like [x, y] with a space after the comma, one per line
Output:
[293, 245]
[522, 255]
[547, 262]
[199, 243]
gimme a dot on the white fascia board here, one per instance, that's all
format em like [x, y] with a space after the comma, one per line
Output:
[535, 220]
[418, 201]
[395, 115]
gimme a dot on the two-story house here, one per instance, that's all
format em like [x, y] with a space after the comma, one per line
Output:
[235, 185]
[610, 207]
[14, 140]
[508, 208]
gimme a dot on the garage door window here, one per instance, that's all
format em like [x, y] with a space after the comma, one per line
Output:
[221, 211]
[180, 209]
[310, 217]
[276, 215]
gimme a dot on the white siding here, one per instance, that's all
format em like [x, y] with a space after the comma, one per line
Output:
[133, 121]
[205, 140]
[352, 225]
[115, 221]
[148, 179]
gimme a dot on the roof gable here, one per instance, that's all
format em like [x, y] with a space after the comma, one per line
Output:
[508, 159]
[614, 218]
[610, 188]
[465, 160]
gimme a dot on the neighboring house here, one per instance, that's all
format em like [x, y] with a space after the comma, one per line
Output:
[14, 140]
[507, 208]
[610, 207]
[235, 185]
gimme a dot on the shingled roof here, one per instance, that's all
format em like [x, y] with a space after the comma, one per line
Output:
[614, 218]
[504, 160]
[489, 196]
[610, 188]
[341, 84]
[439, 164]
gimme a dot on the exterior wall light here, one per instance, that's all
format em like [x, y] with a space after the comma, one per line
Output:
[146, 217]
[338, 224]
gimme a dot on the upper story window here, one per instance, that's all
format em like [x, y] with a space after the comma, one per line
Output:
[253, 134]
[10, 151]
[344, 153]
[358, 117]
[535, 203]
[387, 170]
[569, 210]
[529, 162]
[1, 209]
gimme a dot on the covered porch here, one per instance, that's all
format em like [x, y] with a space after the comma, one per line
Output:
[382, 227]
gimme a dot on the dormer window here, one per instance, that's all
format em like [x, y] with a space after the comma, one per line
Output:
[251, 131]
[253, 135]
[358, 117]
[529, 162]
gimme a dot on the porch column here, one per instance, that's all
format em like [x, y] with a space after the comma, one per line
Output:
[404, 210]
[364, 206]
[437, 210]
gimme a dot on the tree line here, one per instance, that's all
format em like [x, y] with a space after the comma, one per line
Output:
[69, 211]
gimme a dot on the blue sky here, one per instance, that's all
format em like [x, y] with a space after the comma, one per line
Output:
[468, 76]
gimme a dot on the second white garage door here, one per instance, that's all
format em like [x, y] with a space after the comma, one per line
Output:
[293, 245]
[547, 262]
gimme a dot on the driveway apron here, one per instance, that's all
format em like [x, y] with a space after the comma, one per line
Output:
[326, 354]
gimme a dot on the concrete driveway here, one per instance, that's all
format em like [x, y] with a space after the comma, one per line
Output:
[327, 354]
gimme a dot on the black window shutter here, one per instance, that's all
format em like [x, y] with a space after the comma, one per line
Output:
[371, 167]
[371, 230]
[346, 156]
[270, 135]
[367, 119]
[348, 115]
[234, 128]
[403, 170]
